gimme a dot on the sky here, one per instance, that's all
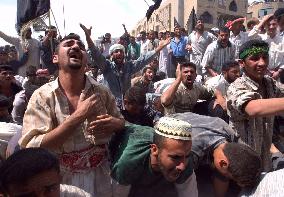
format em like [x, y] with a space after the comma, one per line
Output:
[104, 16]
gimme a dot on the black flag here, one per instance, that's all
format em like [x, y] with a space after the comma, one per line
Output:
[176, 24]
[192, 20]
[29, 10]
[152, 8]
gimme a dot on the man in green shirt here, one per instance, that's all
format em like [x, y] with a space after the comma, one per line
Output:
[155, 163]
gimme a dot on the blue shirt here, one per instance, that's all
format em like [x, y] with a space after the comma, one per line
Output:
[120, 80]
[179, 47]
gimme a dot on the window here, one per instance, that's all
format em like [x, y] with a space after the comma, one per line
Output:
[207, 17]
[233, 6]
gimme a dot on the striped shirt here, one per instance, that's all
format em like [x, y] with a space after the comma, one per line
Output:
[215, 56]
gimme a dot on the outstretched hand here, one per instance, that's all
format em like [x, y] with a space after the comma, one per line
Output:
[86, 30]
[165, 42]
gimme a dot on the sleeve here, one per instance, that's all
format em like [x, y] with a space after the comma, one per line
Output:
[212, 37]
[38, 120]
[21, 62]
[130, 151]
[233, 53]
[10, 39]
[99, 59]
[188, 187]
[239, 96]
[111, 106]
[19, 107]
[254, 33]
[142, 61]
[189, 39]
[208, 57]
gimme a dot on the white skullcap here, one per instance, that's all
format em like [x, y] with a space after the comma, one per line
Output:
[115, 47]
[173, 128]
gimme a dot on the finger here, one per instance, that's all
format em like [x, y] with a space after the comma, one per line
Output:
[104, 116]
[100, 122]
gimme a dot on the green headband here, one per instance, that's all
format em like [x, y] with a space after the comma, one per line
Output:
[253, 51]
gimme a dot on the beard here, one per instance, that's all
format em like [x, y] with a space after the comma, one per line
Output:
[75, 66]
[167, 173]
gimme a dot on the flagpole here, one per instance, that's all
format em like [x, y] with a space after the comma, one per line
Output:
[55, 22]
[156, 15]
[50, 39]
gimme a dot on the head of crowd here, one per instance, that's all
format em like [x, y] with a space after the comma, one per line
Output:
[181, 113]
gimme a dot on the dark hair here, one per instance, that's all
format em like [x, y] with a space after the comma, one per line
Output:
[187, 64]
[50, 28]
[272, 17]
[146, 68]
[69, 36]
[160, 75]
[244, 163]
[252, 43]
[279, 13]
[24, 164]
[252, 21]
[136, 95]
[158, 140]
[223, 29]
[31, 71]
[229, 64]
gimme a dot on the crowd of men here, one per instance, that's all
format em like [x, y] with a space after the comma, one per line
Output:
[159, 114]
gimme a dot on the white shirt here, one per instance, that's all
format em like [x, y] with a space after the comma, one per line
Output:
[105, 48]
[276, 48]
[271, 185]
[238, 40]
[217, 82]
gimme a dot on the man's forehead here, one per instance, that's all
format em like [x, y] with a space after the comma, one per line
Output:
[174, 146]
[72, 40]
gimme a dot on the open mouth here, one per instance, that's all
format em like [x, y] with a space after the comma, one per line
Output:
[74, 55]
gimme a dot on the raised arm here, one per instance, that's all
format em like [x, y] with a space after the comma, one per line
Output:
[10, 39]
[169, 95]
[143, 60]
[95, 51]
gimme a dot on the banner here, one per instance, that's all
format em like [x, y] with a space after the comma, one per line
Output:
[28, 11]
[152, 8]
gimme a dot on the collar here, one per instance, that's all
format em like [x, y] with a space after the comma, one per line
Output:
[232, 35]
[221, 47]
[254, 85]
[88, 84]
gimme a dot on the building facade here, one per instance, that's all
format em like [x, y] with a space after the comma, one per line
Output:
[213, 12]
[260, 9]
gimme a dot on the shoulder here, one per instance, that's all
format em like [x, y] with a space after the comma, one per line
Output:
[98, 86]
[47, 88]
[239, 83]
[130, 152]
[212, 46]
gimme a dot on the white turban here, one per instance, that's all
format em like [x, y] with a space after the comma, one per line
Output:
[115, 47]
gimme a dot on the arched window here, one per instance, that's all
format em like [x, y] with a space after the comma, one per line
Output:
[233, 6]
[207, 17]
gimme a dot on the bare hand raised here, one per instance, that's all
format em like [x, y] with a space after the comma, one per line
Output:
[165, 42]
[178, 72]
[86, 30]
